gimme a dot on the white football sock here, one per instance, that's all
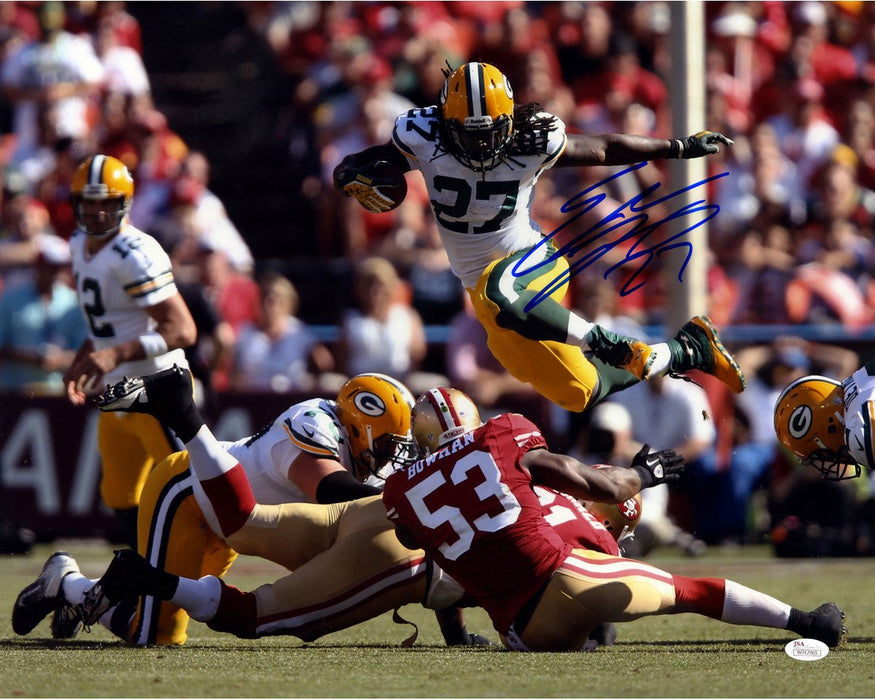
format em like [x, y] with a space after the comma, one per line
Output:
[661, 359]
[208, 458]
[745, 606]
[74, 586]
[198, 597]
[578, 328]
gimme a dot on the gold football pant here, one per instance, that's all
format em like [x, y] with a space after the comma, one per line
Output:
[589, 588]
[347, 567]
[173, 535]
[531, 344]
[130, 445]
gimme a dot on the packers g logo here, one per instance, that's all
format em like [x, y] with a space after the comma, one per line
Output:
[800, 421]
[507, 88]
[370, 404]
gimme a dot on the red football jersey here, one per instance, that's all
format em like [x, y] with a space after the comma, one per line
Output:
[472, 507]
[574, 523]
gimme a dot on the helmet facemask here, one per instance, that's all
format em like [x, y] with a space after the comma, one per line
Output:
[476, 116]
[396, 451]
[834, 466]
[480, 148]
[114, 210]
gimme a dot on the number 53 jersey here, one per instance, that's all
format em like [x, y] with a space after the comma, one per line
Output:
[116, 286]
[481, 217]
[472, 507]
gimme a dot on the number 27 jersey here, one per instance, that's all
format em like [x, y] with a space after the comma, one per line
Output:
[481, 217]
[472, 507]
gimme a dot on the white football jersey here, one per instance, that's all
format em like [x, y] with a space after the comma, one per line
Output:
[481, 217]
[115, 286]
[859, 398]
[310, 426]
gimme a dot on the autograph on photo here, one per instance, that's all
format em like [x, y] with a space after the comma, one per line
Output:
[630, 221]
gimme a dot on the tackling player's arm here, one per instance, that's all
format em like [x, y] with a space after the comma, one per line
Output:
[607, 484]
[326, 480]
[624, 149]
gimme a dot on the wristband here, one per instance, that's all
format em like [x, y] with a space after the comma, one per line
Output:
[153, 344]
[676, 149]
[645, 475]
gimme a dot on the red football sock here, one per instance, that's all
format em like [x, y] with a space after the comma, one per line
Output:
[704, 596]
[231, 498]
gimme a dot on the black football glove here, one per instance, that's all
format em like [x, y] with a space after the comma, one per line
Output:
[657, 467]
[702, 144]
[354, 182]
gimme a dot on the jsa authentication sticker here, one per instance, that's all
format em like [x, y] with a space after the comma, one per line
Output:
[806, 649]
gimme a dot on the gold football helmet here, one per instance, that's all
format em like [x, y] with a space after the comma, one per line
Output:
[375, 410]
[106, 181]
[441, 415]
[476, 107]
[620, 519]
[810, 422]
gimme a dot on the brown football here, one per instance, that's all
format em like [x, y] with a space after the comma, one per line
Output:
[389, 179]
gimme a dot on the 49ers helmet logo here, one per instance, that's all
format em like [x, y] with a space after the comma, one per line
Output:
[629, 509]
[800, 421]
[369, 404]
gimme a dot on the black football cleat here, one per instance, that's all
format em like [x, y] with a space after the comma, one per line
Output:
[825, 624]
[166, 395]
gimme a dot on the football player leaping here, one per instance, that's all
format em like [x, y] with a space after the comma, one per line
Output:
[480, 197]
[138, 323]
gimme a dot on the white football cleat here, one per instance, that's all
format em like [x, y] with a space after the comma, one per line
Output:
[43, 596]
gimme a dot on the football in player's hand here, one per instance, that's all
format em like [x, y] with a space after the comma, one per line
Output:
[378, 187]
[389, 180]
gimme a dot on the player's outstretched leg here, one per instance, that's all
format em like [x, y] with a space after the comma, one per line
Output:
[128, 575]
[697, 346]
[166, 395]
[44, 596]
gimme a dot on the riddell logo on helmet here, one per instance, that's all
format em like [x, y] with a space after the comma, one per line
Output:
[800, 421]
[369, 404]
[483, 122]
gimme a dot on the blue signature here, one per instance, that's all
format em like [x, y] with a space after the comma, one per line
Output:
[631, 216]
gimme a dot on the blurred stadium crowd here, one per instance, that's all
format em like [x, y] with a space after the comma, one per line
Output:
[312, 288]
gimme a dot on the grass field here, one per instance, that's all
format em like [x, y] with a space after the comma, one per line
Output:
[671, 656]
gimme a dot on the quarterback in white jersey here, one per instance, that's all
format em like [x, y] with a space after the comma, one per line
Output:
[137, 321]
[481, 156]
[830, 425]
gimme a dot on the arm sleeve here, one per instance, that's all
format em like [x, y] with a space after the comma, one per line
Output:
[339, 486]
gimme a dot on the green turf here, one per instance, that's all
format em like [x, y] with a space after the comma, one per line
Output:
[671, 656]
